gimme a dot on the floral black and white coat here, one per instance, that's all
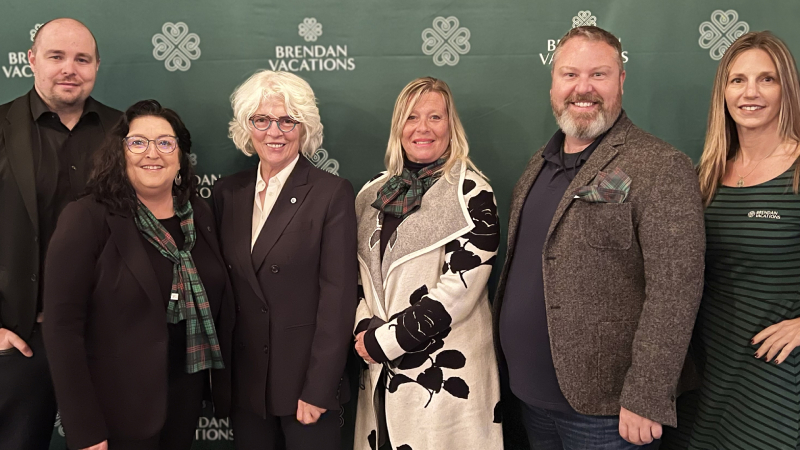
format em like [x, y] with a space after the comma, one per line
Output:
[431, 289]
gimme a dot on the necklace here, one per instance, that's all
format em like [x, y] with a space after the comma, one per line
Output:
[740, 183]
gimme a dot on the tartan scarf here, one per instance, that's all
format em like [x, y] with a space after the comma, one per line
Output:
[188, 300]
[402, 194]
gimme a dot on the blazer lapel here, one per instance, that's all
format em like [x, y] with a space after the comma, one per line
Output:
[600, 158]
[129, 242]
[287, 204]
[17, 132]
[243, 224]
[521, 190]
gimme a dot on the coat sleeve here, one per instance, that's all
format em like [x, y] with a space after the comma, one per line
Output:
[465, 274]
[69, 279]
[671, 234]
[338, 280]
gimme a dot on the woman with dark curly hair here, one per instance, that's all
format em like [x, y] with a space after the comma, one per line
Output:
[135, 286]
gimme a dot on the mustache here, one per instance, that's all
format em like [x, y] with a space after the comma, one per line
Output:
[588, 97]
[70, 79]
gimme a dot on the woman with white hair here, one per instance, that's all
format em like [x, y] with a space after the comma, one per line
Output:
[427, 238]
[288, 236]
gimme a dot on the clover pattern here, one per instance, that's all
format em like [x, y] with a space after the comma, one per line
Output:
[719, 33]
[584, 18]
[310, 29]
[176, 46]
[34, 30]
[323, 161]
[445, 41]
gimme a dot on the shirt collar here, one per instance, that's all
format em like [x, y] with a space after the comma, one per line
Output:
[39, 107]
[281, 176]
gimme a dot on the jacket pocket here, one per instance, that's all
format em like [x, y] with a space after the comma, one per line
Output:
[614, 341]
[607, 225]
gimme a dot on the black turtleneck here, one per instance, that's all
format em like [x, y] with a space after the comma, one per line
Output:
[390, 222]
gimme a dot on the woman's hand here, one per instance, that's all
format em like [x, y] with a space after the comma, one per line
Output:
[362, 350]
[101, 446]
[8, 340]
[782, 337]
[308, 413]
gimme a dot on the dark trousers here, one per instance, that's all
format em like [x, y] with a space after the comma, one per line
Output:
[184, 407]
[252, 432]
[553, 430]
[27, 400]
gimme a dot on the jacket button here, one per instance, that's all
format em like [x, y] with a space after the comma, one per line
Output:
[264, 310]
[229, 267]
[266, 349]
[208, 228]
[275, 269]
[238, 308]
[33, 277]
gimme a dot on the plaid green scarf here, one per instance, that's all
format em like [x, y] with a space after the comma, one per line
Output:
[188, 299]
[402, 194]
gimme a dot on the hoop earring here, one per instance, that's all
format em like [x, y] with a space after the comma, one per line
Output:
[178, 179]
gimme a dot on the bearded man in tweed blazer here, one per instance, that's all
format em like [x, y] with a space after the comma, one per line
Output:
[604, 270]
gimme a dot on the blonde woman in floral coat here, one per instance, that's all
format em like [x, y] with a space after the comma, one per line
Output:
[427, 238]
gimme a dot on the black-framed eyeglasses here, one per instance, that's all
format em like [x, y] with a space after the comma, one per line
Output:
[262, 123]
[139, 144]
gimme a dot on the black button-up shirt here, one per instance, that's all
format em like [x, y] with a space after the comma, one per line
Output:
[61, 159]
[524, 336]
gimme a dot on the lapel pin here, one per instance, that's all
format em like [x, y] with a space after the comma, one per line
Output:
[293, 200]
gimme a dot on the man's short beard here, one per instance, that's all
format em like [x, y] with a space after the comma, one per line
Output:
[586, 127]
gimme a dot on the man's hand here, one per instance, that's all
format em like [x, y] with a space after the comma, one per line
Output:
[8, 339]
[781, 337]
[362, 350]
[636, 429]
[308, 413]
[101, 446]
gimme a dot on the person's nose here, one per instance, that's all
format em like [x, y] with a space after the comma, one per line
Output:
[273, 130]
[751, 89]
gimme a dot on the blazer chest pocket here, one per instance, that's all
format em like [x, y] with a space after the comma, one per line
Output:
[607, 225]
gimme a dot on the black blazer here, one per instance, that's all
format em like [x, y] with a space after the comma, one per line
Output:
[295, 294]
[19, 218]
[105, 328]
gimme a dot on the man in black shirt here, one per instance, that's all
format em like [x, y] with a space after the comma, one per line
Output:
[47, 137]
[604, 270]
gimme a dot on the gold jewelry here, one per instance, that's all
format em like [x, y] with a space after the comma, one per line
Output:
[740, 183]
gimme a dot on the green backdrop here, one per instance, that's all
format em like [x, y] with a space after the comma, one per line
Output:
[358, 54]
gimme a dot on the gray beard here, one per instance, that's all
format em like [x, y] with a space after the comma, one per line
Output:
[586, 131]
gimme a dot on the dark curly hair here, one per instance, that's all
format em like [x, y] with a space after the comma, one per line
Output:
[109, 183]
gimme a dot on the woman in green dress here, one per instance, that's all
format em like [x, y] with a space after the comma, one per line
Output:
[749, 321]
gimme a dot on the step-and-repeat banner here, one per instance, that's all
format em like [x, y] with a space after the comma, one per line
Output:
[358, 54]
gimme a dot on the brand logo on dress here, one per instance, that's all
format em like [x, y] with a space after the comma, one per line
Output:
[583, 18]
[18, 66]
[445, 41]
[321, 160]
[764, 215]
[311, 58]
[719, 33]
[176, 46]
[310, 29]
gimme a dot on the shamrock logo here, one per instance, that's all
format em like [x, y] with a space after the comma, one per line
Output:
[35, 29]
[719, 33]
[584, 18]
[321, 160]
[176, 46]
[445, 41]
[310, 29]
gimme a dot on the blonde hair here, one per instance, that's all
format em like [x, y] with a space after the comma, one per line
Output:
[722, 139]
[457, 150]
[298, 99]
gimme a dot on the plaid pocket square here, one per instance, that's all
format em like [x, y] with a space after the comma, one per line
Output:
[607, 187]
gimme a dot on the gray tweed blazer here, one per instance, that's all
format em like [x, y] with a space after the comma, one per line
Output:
[622, 281]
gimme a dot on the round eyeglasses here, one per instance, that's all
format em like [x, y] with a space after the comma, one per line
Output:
[139, 144]
[262, 123]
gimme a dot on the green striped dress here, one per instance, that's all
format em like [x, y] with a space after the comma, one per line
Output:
[752, 281]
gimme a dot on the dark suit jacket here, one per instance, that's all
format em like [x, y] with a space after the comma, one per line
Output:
[295, 293]
[19, 222]
[622, 281]
[105, 328]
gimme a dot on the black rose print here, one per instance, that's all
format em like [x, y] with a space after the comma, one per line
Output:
[483, 211]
